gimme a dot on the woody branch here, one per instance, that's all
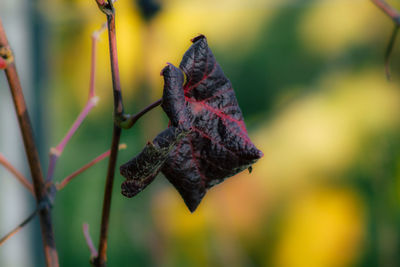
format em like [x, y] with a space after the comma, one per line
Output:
[42, 195]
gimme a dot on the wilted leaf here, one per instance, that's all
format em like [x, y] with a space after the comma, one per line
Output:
[142, 169]
[207, 140]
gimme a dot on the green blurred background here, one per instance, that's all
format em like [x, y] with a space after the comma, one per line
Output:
[309, 77]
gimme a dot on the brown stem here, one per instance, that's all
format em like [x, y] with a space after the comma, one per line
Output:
[102, 257]
[118, 104]
[33, 157]
[108, 9]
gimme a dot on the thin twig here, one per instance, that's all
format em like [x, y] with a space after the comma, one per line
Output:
[20, 177]
[89, 242]
[395, 16]
[69, 178]
[389, 50]
[56, 152]
[388, 10]
[41, 194]
[19, 227]
[95, 40]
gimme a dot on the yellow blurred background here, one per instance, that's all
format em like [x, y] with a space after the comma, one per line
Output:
[309, 77]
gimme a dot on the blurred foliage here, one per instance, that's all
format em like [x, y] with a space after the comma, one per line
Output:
[310, 80]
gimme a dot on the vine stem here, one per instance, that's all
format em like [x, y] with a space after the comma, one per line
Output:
[42, 196]
[108, 9]
[101, 259]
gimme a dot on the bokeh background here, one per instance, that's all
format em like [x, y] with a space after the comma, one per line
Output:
[309, 77]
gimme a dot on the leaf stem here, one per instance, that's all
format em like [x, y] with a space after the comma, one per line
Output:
[41, 193]
[130, 120]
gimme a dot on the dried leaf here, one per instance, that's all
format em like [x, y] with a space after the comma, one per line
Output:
[206, 141]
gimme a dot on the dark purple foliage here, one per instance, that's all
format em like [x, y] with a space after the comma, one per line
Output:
[207, 140]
